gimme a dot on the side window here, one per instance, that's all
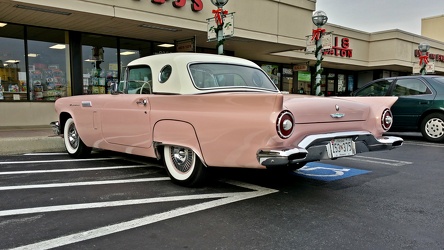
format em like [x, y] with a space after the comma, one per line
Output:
[378, 88]
[406, 87]
[139, 80]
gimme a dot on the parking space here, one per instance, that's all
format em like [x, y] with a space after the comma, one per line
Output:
[43, 193]
[115, 201]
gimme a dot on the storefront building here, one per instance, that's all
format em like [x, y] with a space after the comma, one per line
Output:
[61, 48]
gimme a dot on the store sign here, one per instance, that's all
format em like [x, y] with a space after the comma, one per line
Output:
[429, 69]
[300, 67]
[310, 43]
[196, 5]
[341, 49]
[187, 45]
[435, 57]
[227, 28]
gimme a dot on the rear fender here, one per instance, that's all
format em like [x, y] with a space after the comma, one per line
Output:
[178, 133]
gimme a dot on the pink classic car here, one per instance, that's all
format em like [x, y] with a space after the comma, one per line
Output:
[197, 111]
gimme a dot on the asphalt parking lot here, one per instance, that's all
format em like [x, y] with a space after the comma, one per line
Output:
[383, 200]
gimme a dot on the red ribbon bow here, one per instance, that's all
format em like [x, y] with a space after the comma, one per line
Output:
[317, 34]
[218, 15]
[423, 59]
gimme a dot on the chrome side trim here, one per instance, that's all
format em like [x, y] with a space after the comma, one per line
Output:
[86, 104]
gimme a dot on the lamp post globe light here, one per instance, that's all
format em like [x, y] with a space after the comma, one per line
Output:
[423, 58]
[319, 19]
[219, 16]
[219, 3]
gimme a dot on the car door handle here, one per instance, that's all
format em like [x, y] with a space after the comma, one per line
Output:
[424, 102]
[142, 101]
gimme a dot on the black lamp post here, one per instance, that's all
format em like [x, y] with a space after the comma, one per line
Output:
[319, 19]
[423, 58]
[219, 16]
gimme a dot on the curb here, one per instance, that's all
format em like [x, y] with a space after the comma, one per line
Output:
[36, 144]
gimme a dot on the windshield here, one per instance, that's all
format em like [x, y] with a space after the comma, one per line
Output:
[216, 75]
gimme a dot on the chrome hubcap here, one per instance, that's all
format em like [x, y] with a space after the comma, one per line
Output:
[182, 159]
[73, 137]
[435, 128]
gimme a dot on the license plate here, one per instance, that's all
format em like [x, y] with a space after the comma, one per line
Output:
[341, 147]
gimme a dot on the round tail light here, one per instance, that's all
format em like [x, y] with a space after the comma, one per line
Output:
[386, 119]
[285, 124]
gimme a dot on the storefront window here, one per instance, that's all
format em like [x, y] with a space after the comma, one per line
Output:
[273, 72]
[100, 63]
[287, 80]
[163, 48]
[13, 84]
[304, 83]
[48, 57]
[132, 49]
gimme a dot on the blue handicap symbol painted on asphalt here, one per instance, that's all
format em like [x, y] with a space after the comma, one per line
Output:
[327, 172]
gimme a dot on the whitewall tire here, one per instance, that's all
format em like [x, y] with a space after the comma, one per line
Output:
[183, 166]
[73, 144]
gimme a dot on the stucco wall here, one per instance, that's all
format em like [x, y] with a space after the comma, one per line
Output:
[433, 27]
[26, 114]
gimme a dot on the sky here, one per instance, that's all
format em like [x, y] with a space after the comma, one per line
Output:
[378, 15]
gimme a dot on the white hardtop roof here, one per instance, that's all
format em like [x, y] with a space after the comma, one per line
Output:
[180, 81]
[185, 58]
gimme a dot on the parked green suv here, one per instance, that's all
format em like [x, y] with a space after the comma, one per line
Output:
[420, 106]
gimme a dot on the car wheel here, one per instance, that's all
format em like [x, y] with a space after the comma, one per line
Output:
[432, 127]
[73, 144]
[183, 166]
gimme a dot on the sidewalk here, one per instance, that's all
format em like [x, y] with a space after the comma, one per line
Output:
[22, 140]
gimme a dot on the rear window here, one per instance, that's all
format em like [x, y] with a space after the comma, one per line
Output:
[410, 86]
[215, 75]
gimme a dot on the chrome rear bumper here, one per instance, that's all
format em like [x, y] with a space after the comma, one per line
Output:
[314, 148]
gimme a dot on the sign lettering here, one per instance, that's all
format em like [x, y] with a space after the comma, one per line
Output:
[196, 5]
[436, 57]
[343, 50]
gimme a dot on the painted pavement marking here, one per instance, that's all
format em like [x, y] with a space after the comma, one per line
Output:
[51, 161]
[71, 170]
[425, 144]
[228, 198]
[327, 172]
[378, 160]
[86, 183]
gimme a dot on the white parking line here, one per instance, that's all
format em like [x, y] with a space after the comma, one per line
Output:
[43, 154]
[51, 161]
[68, 207]
[70, 170]
[86, 183]
[123, 226]
[425, 144]
[378, 160]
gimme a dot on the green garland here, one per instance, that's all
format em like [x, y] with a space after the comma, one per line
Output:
[318, 63]
[221, 41]
[423, 68]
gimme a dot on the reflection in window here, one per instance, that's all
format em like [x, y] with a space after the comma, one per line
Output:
[100, 64]
[214, 75]
[405, 87]
[48, 63]
[13, 84]
[139, 80]
[378, 88]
